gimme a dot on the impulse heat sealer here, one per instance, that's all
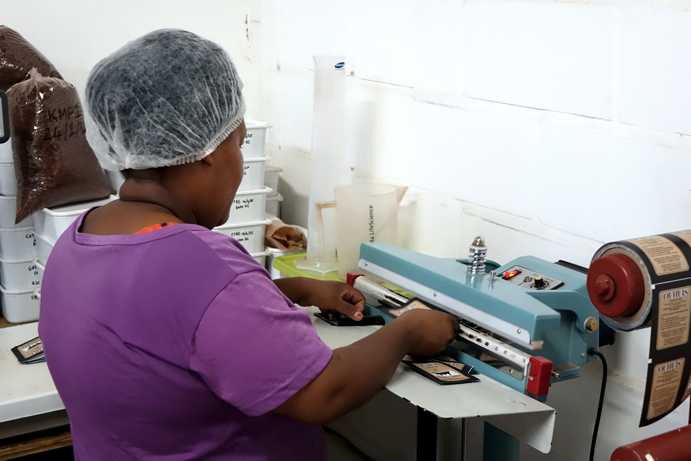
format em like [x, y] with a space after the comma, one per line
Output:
[525, 324]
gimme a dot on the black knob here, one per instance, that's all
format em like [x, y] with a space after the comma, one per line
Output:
[539, 283]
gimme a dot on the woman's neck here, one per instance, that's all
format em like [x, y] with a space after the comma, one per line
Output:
[154, 193]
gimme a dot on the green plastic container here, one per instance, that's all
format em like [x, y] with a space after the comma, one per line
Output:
[287, 267]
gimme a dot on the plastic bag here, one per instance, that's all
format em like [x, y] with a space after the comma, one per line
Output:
[18, 57]
[54, 164]
[284, 237]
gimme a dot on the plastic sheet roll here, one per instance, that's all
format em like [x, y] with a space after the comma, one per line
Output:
[646, 282]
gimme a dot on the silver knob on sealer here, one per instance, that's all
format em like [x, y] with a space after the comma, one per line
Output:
[477, 254]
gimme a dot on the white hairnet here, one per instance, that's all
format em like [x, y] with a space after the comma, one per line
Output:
[167, 98]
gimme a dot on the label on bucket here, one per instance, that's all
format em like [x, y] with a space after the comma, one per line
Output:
[243, 236]
[243, 203]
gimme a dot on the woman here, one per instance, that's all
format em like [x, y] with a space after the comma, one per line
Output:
[166, 340]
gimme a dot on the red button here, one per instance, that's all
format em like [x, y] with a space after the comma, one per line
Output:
[508, 275]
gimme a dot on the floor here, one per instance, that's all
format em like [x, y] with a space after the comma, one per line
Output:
[339, 449]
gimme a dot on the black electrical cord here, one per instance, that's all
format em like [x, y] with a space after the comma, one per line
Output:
[600, 403]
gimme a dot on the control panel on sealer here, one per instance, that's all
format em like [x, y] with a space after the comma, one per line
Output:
[530, 280]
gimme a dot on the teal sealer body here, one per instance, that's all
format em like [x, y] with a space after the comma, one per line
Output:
[526, 324]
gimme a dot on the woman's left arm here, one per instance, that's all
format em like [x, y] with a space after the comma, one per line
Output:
[326, 295]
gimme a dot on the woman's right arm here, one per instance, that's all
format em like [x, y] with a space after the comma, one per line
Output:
[357, 372]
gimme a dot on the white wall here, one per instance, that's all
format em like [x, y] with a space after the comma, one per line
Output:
[549, 127]
[76, 34]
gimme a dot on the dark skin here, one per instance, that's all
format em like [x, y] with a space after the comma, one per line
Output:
[201, 193]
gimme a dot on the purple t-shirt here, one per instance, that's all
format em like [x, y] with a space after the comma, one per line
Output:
[175, 345]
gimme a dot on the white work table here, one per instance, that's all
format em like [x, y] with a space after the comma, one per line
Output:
[528, 420]
[27, 391]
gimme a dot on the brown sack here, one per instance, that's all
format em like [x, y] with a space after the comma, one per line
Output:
[54, 164]
[18, 57]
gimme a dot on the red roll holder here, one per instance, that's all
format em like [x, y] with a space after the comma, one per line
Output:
[670, 446]
[616, 286]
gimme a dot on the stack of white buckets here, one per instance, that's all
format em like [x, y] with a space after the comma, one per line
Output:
[25, 247]
[248, 221]
[20, 276]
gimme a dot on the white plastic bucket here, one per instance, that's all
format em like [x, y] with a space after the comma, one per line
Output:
[41, 269]
[249, 235]
[255, 139]
[272, 175]
[253, 174]
[248, 206]
[273, 205]
[20, 306]
[50, 223]
[43, 249]
[17, 244]
[19, 275]
[8, 181]
[8, 212]
[260, 258]
[6, 151]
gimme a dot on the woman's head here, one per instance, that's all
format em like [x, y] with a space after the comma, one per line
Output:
[168, 106]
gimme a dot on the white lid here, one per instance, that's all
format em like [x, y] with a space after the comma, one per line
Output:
[262, 253]
[263, 191]
[244, 224]
[77, 208]
[16, 229]
[254, 159]
[15, 292]
[273, 169]
[16, 261]
[256, 124]
[275, 196]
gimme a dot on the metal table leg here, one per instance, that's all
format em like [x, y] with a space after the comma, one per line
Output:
[498, 445]
[426, 435]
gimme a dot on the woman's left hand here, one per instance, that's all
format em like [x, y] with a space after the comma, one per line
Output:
[336, 296]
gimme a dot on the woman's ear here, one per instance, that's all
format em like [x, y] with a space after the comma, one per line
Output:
[210, 159]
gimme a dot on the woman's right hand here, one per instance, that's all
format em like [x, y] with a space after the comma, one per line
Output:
[356, 372]
[430, 331]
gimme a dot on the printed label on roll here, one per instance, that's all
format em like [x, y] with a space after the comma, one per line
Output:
[674, 314]
[685, 235]
[664, 261]
[665, 387]
[663, 254]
